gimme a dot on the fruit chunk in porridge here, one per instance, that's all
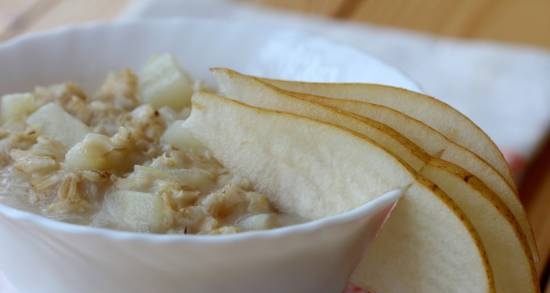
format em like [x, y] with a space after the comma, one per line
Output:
[119, 159]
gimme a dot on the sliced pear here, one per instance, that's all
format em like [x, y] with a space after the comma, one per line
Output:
[383, 269]
[314, 169]
[52, 121]
[431, 111]
[257, 93]
[254, 92]
[507, 247]
[438, 145]
[419, 134]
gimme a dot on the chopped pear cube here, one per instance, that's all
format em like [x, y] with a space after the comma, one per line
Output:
[164, 83]
[137, 211]
[199, 179]
[258, 222]
[52, 121]
[258, 203]
[16, 107]
[90, 153]
[180, 136]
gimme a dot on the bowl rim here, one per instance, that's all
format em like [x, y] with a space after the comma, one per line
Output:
[389, 198]
[101, 24]
[386, 200]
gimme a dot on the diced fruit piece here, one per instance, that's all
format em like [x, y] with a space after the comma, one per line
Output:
[197, 178]
[180, 136]
[225, 230]
[257, 203]
[225, 202]
[137, 211]
[16, 107]
[90, 153]
[52, 121]
[209, 224]
[258, 222]
[61, 92]
[164, 83]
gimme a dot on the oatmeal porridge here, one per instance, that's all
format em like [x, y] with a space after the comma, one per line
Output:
[113, 159]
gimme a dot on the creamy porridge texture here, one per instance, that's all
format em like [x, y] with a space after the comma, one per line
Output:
[114, 159]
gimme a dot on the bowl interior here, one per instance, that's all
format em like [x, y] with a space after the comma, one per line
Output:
[85, 54]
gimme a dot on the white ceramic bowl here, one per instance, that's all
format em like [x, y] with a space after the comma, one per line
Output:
[41, 255]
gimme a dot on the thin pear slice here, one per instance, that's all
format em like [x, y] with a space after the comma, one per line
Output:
[316, 169]
[257, 93]
[442, 117]
[419, 134]
[507, 247]
[253, 91]
[437, 145]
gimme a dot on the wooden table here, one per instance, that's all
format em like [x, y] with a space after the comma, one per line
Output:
[524, 22]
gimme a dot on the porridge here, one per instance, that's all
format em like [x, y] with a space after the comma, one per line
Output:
[112, 159]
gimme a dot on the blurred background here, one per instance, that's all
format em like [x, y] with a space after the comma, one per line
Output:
[488, 58]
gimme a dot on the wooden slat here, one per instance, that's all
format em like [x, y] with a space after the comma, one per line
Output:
[16, 16]
[535, 188]
[322, 7]
[400, 13]
[10, 10]
[521, 21]
[526, 21]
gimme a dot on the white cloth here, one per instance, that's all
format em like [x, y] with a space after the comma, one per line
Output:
[505, 89]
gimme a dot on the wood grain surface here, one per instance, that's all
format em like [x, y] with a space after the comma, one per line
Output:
[525, 22]
[522, 22]
[24, 16]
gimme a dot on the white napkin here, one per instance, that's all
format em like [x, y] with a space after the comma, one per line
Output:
[505, 89]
